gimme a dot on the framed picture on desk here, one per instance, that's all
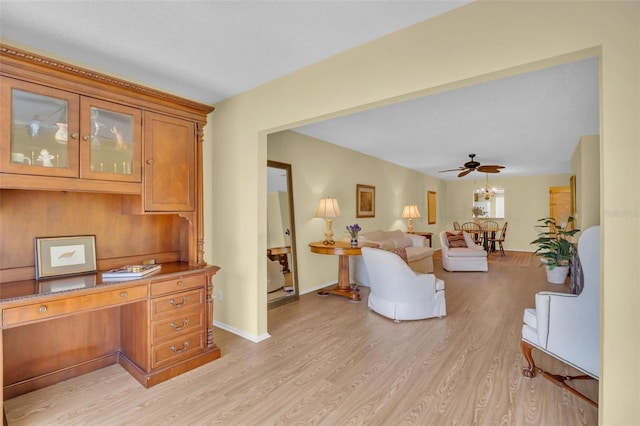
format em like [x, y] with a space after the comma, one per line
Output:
[59, 256]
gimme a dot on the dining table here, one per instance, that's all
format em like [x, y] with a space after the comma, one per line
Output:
[487, 233]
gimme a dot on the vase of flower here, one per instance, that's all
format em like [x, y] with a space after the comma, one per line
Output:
[353, 231]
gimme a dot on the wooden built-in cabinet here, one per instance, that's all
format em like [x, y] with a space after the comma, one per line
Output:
[83, 153]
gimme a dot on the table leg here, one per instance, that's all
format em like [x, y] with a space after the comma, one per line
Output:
[343, 287]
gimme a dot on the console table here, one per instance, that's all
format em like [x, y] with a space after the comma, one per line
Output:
[344, 250]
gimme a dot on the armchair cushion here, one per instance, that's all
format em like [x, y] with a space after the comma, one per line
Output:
[456, 240]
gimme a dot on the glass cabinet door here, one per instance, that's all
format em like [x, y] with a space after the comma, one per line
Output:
[42, 135]
[110, 148]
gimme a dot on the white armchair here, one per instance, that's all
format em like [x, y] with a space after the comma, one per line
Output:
[275, 277]
[470, 257]
[399, 293]
[567, 326]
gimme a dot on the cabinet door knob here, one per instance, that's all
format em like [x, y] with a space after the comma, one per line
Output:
[123, 294]
[74, 135]
[86, 137]
[42, 309]
[149, 161]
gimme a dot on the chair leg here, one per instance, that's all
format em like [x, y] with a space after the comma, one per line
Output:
[501, 248]
[531, 370]
[558, 380]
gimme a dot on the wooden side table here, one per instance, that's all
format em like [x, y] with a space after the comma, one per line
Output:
[427, 235]
[281, 254]
[344, 250]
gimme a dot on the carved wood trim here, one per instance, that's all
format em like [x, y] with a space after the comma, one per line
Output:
[49, 63]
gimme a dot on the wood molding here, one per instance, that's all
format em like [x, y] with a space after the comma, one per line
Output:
[95, 77]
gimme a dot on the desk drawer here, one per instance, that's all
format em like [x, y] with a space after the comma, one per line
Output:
[184, 323]
[47, 309]
[177, 284]
[169, 306]
[176, 349]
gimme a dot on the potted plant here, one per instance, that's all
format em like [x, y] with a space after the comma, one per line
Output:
[476, 212]
[555, 248]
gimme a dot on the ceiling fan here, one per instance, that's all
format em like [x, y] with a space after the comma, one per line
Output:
[473, 165]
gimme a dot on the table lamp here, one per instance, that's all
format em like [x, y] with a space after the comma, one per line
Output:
[409, 212]
[327, 209]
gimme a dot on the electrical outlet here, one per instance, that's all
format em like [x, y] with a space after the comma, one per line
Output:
[219, 295]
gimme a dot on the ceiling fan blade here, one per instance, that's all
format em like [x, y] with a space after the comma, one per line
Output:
[452, 170]
[465, 172]
[490, 169]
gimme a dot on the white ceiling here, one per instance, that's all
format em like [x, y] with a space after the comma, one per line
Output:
[211, 50]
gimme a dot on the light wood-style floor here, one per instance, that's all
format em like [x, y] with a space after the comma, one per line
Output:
[333, 362]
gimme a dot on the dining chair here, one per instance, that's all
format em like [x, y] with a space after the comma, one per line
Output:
[456, 225]
[476, 230]
[499, 239]
[491, 230]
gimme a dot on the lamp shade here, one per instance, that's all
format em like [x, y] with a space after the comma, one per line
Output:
[328, 207]
[410, 212]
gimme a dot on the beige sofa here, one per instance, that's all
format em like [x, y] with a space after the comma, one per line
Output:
[419, 254]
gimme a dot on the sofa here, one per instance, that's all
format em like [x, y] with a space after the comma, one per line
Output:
[461, 253]
[419, 254]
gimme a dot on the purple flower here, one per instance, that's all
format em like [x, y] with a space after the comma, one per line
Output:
[353, 230]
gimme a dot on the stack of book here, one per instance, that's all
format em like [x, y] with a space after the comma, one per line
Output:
[129, 272]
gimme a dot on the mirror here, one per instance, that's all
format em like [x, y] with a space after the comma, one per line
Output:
[282, 275]
[491, 200]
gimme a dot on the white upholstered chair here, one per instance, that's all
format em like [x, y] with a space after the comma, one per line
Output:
[471, 257]
[567, 326]
[275, 277]
[399, 293]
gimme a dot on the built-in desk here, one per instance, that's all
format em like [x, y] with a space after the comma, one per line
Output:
[157, 327]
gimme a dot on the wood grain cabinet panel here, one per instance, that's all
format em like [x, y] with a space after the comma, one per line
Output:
[182, 323]
[167, 306]
[130, 151]
[179, 348]
[178, 284]
[170, 163]
[46, 310]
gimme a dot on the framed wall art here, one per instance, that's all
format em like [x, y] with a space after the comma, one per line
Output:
[365, 201]
[59, 256]
[431, 207]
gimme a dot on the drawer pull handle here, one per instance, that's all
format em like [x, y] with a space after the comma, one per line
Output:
[42, 309]
[179, 305]
[185, 345]
[180, 327]
[180, 283]
[123, 294]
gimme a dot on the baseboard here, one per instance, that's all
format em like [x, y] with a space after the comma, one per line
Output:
[251, 337]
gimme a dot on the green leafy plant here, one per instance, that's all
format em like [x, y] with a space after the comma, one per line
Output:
[554, 242]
